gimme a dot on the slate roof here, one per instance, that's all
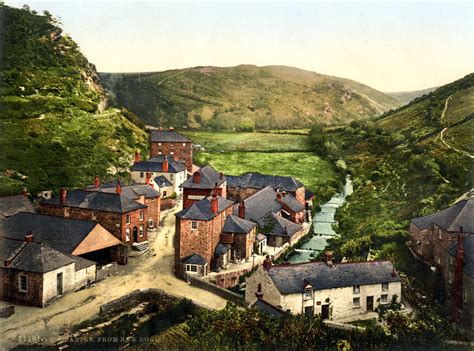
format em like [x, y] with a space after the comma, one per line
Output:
[451, 219]
[209, 178]
[155, 164]
[292, 203]
[201, 210]
[97, 200]
[259, 237]
[81, 262]
[221, 250]
[39, 258]
[162, 182]
[282, 226]
[234, 224]
[59, 233]
[194, 259]
[468, 253]
[290, 279]
[133, 192]
[269, 308]
[260, 181]
[168, 136]
[9, 205]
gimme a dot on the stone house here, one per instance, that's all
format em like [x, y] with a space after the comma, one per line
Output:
[10, 205]
[171, 143]
[162, 173]
[34, 273]
[198, 234]
[334, 291]
[125, 218]
[202, 184]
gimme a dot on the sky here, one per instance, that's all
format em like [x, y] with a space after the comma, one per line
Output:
[388, 45]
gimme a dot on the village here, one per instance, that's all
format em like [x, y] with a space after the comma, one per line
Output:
[197, 232]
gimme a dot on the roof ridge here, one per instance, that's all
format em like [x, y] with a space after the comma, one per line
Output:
[285, 265]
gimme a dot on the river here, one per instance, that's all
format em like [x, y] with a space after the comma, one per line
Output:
[322, 224]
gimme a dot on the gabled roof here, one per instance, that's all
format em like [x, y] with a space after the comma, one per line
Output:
[201, 210]
[209, 178]
[99, 201]
[260, 181]
[9, 205]
[194, 259]
[168, 136]
[260, 204]
[468, 253]
[234, 224]
[62, 234]
[155, 164]
[281, 226]
[162, 182]
[452, 218]
[290, 279]
[220, 250]
[39, 258]
[133, 192]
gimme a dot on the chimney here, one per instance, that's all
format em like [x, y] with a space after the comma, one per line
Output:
[197, 177]
[458, 278]
[267, 263]
[29, 237]
[148, 177]
[242, 210]
[118, 188]
[279, 197]
[165, 165]
[259, 292]
[62, 195]
[24, 192]
[329, 258]
[221, 175]
[138, 158]
[214, 204]
[394, 272]
[96, 181]
[171, 129]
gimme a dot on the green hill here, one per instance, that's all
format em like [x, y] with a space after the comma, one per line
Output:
[407, 96]
[54, 125]
[407, 163]
[243, 97]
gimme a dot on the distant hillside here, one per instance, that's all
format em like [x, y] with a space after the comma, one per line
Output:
[54, 125]
[406, 96]
[243, 97]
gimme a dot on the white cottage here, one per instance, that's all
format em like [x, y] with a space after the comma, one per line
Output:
[335, 291]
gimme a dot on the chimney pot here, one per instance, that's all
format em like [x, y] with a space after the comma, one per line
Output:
[62, 196]
[29, 237]
[165, 165]
[118, 188]
[221, 175]
[329, 258]
[171, 129]
[394, 272]
[137, 157]
[242, 210]
[214, 204]
[96, 181]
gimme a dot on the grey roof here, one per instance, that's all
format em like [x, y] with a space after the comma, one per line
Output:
[39, 258]
[162, 182]
[234, 224]
[133, 192]
[221, 250]
[259, 237]
[452, 218]
[59, 233]
[292, 203]
[97, 200]
[155, 164]
[291, 279]
[194, 259]
[201, 210]
[209, 178]
[9, 205]
[269, 308]
[169, 136]
[468, 253]
[81, 262]
[281, 226]
[260, 181]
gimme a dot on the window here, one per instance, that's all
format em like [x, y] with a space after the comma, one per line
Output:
[142, 174]
[141, 215]
[67, 211]
[159, 144]
[150, 223]
[93, 216]
[308, 294]
[439, 233]
[23, 283]
[309, 311]
[384, 298]
[191, 268]
[127, 234]
[164, 193]
[141, 231]
[184, 144]
[384, 286]
[356, 289]
[172, 153]
[127, 219]
[464, 295]
[356, 302]
[159, 153]
[194, 225]
[171, 177]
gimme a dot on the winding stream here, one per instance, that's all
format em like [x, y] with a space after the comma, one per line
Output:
[322, 223]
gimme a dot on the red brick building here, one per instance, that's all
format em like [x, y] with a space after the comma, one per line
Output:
[169, 142]
[202, 184]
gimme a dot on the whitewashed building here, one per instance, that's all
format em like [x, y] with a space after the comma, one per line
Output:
[335, 291]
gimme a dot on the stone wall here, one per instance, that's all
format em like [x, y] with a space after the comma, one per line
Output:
[224, 293]
[7, 311]
[166, 204]
[9, 290]
[230, 279]
[106, 271]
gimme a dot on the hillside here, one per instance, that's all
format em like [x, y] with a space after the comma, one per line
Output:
[408, 163]
[244, 97]
[407, 96]
[54, 125]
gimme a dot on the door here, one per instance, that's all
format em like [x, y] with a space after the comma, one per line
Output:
[59, 283]
[370, 303]
[309, 311]
[135, 234]
[325, 311]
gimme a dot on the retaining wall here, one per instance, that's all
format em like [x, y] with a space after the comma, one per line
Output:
[224, 293]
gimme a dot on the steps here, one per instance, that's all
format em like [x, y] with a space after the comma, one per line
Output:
[139, 248]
